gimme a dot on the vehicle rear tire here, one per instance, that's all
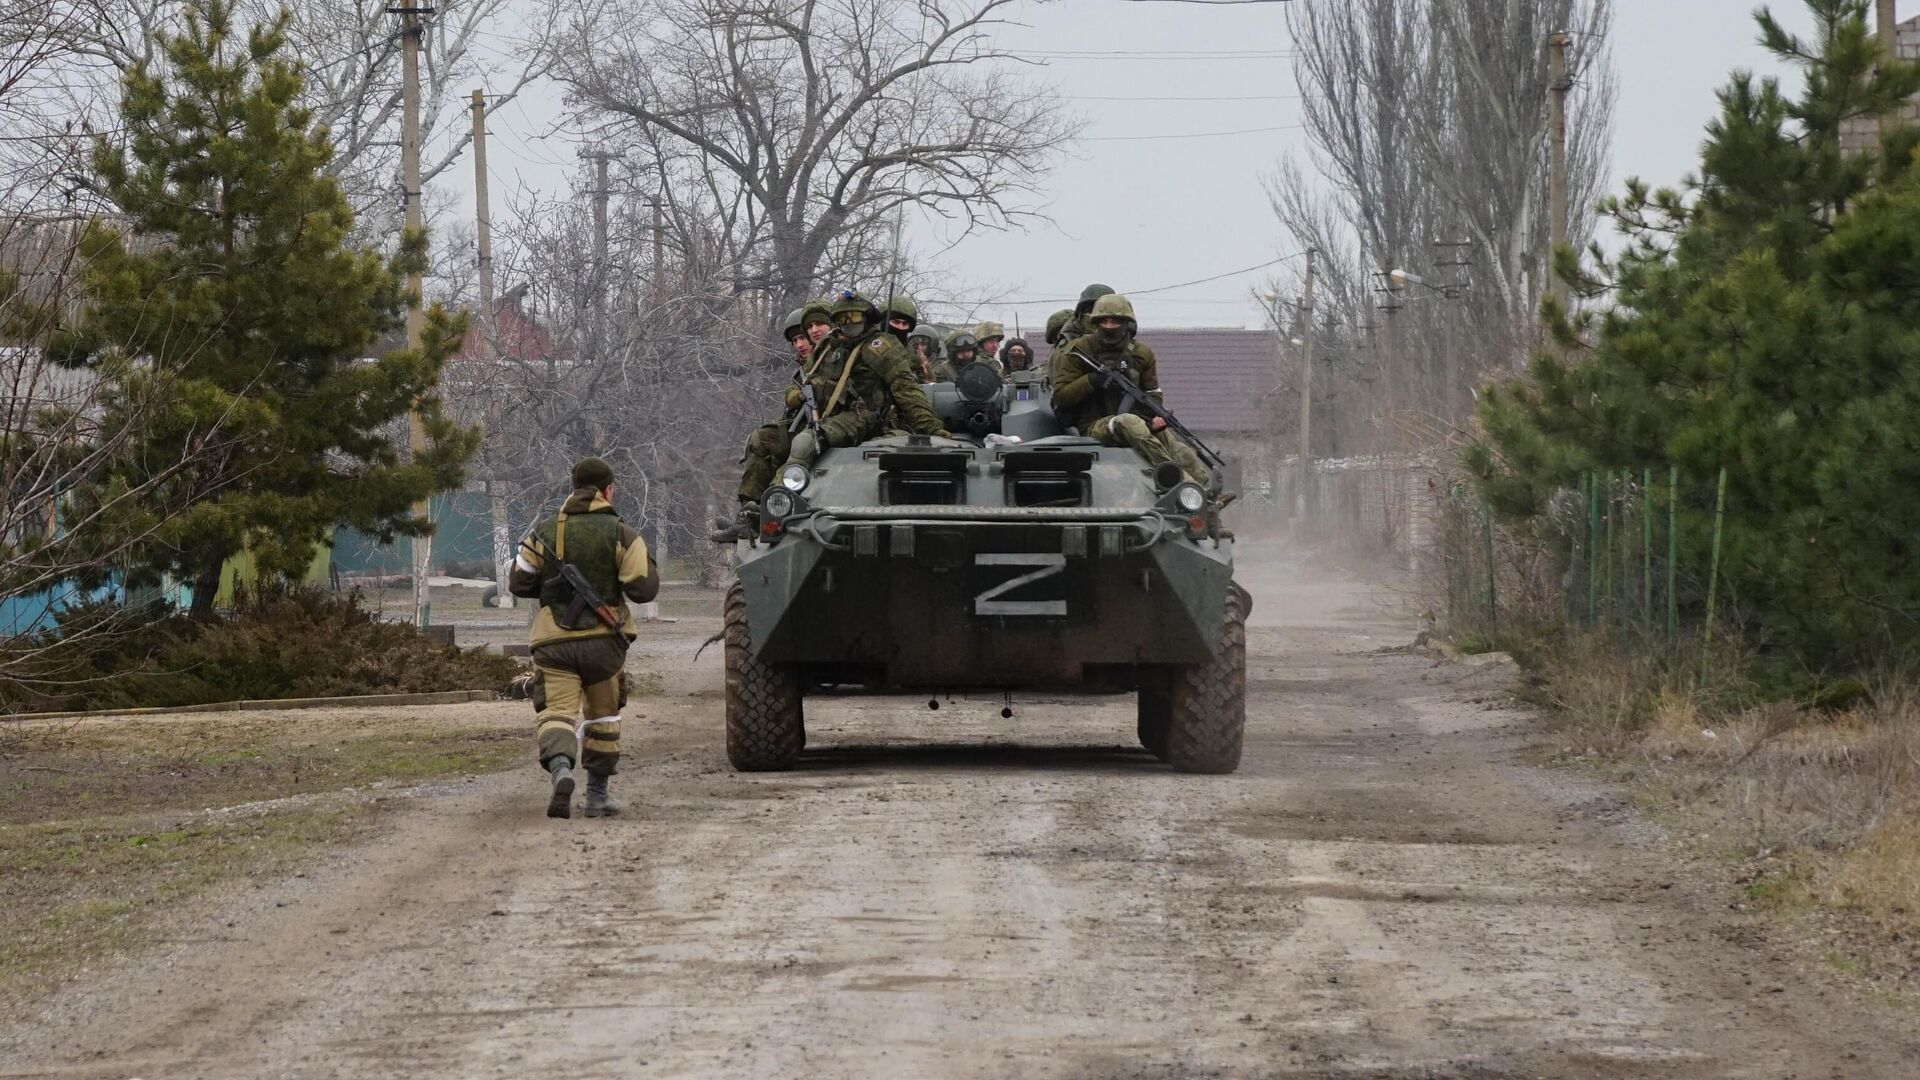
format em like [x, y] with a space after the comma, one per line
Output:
[1207, 718]
[765, 725]
[1156, 708]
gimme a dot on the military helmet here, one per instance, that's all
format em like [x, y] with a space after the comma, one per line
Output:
[902, 304]
[1056, 323]
[796, 324]
[927, 332]
[1112, 304]
[851, 302]
[1090, 294]
[961, 340]
[989, 330]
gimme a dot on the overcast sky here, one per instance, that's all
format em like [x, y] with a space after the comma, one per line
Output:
[1138, 209]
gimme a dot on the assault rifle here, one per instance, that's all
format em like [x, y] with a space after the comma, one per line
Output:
[1138, 398]
[585, 598]
[809, 413]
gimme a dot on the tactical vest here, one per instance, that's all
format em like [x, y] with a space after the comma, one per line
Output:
[591, 542]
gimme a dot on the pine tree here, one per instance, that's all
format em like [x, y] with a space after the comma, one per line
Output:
[229, 310]
[1766, 322]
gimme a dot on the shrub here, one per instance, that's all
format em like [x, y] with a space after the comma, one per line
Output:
[276, 644]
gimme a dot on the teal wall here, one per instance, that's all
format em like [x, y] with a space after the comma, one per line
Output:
[463, 533]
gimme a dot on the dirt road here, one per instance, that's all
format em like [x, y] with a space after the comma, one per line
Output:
[1383, 890]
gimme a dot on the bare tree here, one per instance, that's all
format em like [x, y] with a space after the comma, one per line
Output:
[655, 359]
[1429, 123]
[352, 53]
[809, 125]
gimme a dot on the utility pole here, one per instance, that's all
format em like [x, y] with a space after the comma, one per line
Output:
[412, 31]
[489, 341]
[1558, 83]
[599, 277]
[1300, 490]
[659, 246]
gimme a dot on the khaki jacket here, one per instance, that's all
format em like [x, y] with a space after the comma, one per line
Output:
[638, 575]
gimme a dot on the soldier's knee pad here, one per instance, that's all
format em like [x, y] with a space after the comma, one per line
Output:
[804, 449]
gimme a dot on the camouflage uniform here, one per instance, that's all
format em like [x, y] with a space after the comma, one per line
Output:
[1079, 401]
[864, 382]
[767, 445]
[1073, 323]
[578, 690]
[947, 370]
[924, 368]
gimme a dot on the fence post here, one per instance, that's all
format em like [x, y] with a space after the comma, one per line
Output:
[1713, 570]
[1673, 560]
[1646, 548]
[1493, 573]
[1593, 547]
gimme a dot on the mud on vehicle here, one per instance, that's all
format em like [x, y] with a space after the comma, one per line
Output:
[935, 565]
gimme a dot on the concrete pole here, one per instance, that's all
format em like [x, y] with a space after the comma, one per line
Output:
[1301, 497]
[489, 341]
[1558, 85]
[421, 547]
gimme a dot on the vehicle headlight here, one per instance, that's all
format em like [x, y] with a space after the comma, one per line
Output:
[794, 477]
[1190, 498]
[779, 503]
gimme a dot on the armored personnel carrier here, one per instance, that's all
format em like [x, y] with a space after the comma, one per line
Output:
[1012, 557]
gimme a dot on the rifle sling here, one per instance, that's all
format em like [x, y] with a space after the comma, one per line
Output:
[846, 373]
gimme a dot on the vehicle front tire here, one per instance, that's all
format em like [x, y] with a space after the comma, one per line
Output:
[1207, 714]
[765, 724]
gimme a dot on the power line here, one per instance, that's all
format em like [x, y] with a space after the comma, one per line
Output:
[1150, 56]
[1146, 292]
[1246, 97]
[1190, 134]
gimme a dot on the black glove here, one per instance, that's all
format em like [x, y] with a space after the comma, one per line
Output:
[1102, 378]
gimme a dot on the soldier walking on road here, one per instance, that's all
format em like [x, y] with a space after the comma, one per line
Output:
[580, 634]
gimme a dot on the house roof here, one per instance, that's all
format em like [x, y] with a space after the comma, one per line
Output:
[1216, 381]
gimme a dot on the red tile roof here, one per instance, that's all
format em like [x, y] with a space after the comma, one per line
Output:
[1217, 381]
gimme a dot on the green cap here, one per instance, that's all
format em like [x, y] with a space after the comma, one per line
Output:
[592, 472]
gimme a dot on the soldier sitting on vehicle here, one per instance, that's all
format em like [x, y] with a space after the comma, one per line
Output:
[767, 445]
[962, 349]
[1084, 373]
[902, 316]
[990, 335]
[1017, 355]
[924, 344]
[1075, 322]
[859, 381]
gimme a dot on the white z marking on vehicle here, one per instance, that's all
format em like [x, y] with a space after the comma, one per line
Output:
[1050, 565]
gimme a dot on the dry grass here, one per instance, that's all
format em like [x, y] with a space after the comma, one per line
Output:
[107, 827]
[1819, 810]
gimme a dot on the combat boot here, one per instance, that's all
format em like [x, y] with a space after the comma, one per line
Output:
[744, 525]
[560, 805]
[599, 803]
